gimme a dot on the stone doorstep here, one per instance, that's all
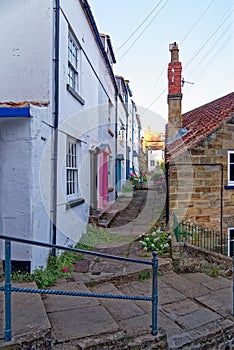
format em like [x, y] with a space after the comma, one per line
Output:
[105, 222]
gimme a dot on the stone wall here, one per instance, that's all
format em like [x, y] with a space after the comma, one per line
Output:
[197, 181]
[188, 258]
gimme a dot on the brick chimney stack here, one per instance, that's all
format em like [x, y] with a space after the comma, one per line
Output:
[174, 97]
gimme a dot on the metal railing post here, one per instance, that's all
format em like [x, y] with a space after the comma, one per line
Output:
[233, 285]
[155, 294]
[7, 290]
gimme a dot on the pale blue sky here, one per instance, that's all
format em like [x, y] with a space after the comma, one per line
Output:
[206, 48]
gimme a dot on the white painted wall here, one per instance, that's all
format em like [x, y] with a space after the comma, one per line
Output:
[156, 156]
[16, 183]
[26, 34]
[89, 122]
[25, 52]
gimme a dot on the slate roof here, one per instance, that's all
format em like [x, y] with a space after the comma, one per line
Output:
[201, 122]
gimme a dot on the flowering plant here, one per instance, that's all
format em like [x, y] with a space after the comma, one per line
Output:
[134, 179]
[157, 240]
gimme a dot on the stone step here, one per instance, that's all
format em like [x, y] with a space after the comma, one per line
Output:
[28, 317]
[106, 219]
[99, 323]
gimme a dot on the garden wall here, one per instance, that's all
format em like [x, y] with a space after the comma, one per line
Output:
[188, 258]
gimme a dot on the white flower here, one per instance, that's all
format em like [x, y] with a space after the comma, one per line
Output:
[143, 243]
[166, 245]
[140, 242]
[169, 237]
[145, 248]
[152, 245]
[156, 239]
[147, 239]
[153, 234]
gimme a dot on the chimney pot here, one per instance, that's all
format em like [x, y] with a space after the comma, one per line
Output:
[174, 52]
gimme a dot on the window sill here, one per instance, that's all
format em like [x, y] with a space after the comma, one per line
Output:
[75, 94]
[74, 203]
[229, 187]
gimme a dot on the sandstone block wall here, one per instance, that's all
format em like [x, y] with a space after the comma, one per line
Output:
[197, 188]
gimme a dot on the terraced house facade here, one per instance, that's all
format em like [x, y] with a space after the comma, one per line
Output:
[59, 124]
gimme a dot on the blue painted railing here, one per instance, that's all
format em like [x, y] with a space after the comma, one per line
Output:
[8, 288]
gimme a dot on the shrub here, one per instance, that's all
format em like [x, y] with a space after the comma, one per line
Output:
[157, 240]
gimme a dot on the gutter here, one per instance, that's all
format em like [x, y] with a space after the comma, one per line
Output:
[90, 17]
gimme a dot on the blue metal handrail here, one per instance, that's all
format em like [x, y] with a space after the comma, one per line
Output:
[8, 288]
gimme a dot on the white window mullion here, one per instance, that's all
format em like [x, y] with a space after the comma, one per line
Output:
[72, 168]
[73, 63]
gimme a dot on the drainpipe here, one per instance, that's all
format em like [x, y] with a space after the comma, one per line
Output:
[126, 134]
[116, 139]
[167, 194]
[56, 119]
[129, 93]
[133, 107]
[221, 208]
[126, 146]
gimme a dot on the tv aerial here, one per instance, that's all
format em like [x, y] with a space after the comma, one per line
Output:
[187, 82]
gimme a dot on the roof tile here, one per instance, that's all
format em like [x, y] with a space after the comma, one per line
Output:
[201, 122]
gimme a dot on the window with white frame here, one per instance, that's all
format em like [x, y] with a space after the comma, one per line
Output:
[72, 167]
[73, 63]
[230, 167]
[231, 241]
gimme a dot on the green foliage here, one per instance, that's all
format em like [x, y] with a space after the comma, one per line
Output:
[157, 176]
[143, 275]
[91, 283]
[127, 188]
[57, 267]
[95, 236]
[22, 277]
[214, 272]
[157, 240]
[46, 278]
[162, 164]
